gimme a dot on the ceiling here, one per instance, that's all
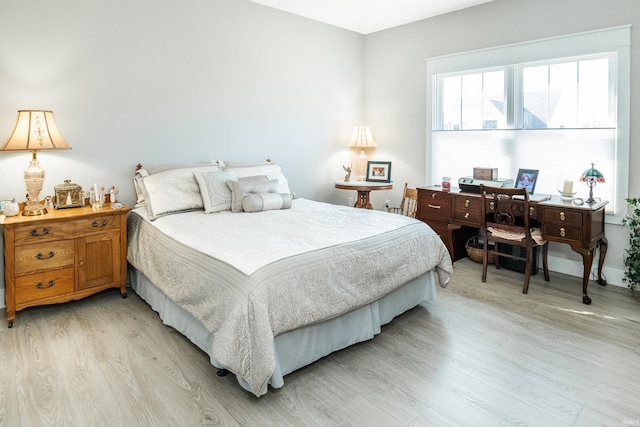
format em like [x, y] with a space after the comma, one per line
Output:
[368, 16]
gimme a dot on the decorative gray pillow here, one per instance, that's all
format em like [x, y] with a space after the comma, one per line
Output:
[256, 202]
[216, 194]
[239, 189]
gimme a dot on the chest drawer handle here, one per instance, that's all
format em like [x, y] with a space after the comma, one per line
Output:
[40, 256]
[41, 285]
[492, 205]
[45, 231]
[466, 203]
[435, 207]
[96, 224]
[531, 212]
[562, 217]
[562, 232]
[466, 215]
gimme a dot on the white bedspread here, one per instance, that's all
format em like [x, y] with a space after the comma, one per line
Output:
[251, 276]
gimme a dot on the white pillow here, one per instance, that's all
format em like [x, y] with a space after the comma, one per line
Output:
[142, 172]
[172, 191]
[256, 202]
[239, 189]
[216, 194]
[271, 170]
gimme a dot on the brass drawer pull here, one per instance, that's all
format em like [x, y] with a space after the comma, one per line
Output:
[492, 205]
[96, 224]
[466, 215]
[41, 285]
[40, 256]
[467, 203]
[562, 216]
[562, 232]
[45, 231]
[531, 211]
[435, 207]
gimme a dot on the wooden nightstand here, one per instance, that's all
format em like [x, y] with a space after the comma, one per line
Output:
[63, 255]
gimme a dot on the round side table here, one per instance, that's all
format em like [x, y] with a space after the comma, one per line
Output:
[363, 188]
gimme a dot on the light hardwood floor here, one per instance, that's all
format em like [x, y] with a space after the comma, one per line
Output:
[482, 354]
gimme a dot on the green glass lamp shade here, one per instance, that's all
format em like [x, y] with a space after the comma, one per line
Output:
[592, 176]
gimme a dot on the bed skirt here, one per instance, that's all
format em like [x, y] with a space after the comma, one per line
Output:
[299, 347]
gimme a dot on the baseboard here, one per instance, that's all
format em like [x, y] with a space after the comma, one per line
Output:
[613, 276]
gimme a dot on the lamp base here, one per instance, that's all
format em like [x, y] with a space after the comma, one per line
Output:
[38, 209]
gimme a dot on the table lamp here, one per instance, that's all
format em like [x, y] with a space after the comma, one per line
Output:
[35, 130]
[591, 176]
[362, 139]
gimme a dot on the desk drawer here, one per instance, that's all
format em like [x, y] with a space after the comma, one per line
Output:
[562, 217]
[467, 210]
[562, 234]
[434, 206]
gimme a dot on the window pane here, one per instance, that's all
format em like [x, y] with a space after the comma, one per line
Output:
[472, 101]
[493, 105]
[535, 88]
[593, 102]
[563, 95]
[451, 97]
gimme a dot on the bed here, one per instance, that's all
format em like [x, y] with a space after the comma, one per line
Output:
[266, 284]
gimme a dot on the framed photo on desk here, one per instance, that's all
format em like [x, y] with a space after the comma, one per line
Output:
[527, 178]
[379, 171]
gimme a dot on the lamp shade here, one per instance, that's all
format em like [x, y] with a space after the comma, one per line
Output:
[35, 130]
[362, 138]
[592, 176]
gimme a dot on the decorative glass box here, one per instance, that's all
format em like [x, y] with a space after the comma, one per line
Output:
[68, 195]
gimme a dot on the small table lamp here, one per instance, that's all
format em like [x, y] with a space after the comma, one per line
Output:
[35, 130]
[362, 138]
[592, 176]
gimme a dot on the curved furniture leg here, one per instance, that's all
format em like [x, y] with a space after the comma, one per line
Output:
[363, 200]
[603, 244]
[587, 261]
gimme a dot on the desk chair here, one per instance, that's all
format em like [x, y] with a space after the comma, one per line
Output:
[505, 219]
[409, 204]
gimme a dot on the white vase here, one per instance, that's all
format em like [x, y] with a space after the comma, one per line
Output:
[11, 209]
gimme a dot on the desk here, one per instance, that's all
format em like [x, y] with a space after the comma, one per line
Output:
[455, 216]
[363, 188]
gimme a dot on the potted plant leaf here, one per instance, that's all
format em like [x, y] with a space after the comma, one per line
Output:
[632, 258]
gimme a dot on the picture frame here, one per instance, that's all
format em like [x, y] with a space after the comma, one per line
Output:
[527, 178]
[378, 171]
[5, 201]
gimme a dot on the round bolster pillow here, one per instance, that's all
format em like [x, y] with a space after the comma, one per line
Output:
[256, 202]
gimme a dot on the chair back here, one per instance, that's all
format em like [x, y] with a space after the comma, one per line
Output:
[506, 209]
[409, 203]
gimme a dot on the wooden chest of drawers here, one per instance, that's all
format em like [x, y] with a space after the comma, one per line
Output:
[63, 255]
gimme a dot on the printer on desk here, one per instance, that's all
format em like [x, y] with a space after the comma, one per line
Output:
[472, 185]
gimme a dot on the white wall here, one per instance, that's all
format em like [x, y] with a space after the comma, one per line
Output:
[165, 81]
[395, 84]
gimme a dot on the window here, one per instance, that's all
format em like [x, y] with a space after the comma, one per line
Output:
[555, 105]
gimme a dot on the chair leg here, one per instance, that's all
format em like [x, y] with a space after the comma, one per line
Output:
[527, 271]
[485, 260]
[545, 261]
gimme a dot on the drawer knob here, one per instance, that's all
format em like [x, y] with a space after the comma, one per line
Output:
[40, 256]
[97, 224]
[45, 231]
[492, 205]
[466, 203]
[530, 211]
[562, 216]
[435, 206]
[41, 285]
[562, 232]
[466, 215]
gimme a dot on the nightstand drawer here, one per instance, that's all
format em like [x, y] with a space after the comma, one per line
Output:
[53, 231]
[35, 287]
[44, 256]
